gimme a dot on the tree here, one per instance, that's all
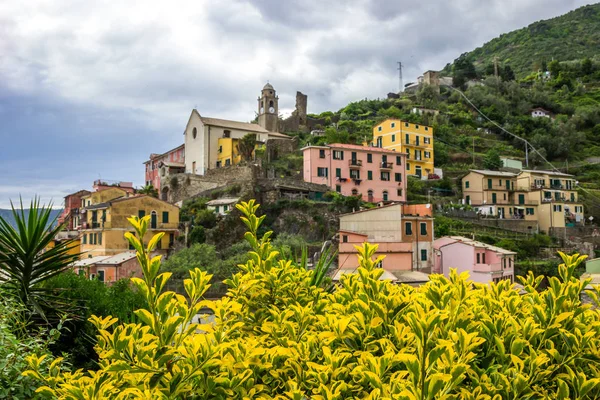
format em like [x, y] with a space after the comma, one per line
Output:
[202, 256]
[492, 160]
[586, 66]
[28, 257]
[148, 190]
[246, 146]
[554, 68]
[508, 74]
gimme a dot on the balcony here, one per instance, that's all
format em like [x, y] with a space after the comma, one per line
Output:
[357, 181]
[386, 165]
[340, 179]
[355, 163]
[481, 267]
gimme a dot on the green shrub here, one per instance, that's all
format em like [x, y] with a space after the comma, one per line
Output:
[276, 335]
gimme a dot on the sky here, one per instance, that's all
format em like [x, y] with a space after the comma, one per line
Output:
[88, 89]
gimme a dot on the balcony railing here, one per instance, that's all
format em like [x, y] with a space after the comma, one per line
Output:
[386, 165]
[355, 163]
[357, 181]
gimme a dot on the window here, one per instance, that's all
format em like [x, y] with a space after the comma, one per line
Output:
[466, 184]
[504, 196]
[171, 239]
[385, 195]
[427, 154]
[227, 162]
[379, 129]
[557, 208]
[384, 158]
[220, 149]
[408, 154]
[100, 274]
[194, 132]
[407, 166]
[423, 255]
[345, 238]
[370, 175]
[398, 177]
[529, 211]
[393, 125]
[217, 209]
[84, 239]
[393, 138]
[426, 128]
[355, 174]
[100, 238]
[370, 196]
[369, 157]
[406, 124]
[417, 140]
[399, 192]
[483, 258]
[417, 155]
[338, 155]
[489, 183]
[385, 176]
[153, 220]
[416, 126]
[408, 228]
[478, 258]
[494, 199]
[322, 172]
[321, 153]
[226, 133]
[354, 192]
[225, 208]
[423, 228]
[165, 218]
[426, 140]
[468, 200]
[338, 188]
[398, 160]
[338, 172]
[407, 139]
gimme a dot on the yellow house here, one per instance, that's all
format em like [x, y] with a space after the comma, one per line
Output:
[547, 197]
[555, 194]
[106, 222]
[413, 139]
[489, 192]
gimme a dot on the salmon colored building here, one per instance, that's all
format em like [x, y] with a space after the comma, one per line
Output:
[352, 170]
[70, 213]
[109, 269]
[403, 232]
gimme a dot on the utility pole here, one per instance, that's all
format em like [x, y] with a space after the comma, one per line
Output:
[400, 76]
[473, 150]
[526, 154]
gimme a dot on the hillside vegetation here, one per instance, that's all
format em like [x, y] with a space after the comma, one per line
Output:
[572, 36]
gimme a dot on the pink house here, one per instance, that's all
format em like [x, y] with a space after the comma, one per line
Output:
[376, 174]
[485, 263]
[160, 164]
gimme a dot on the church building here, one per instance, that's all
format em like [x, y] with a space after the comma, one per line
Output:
[213, 143]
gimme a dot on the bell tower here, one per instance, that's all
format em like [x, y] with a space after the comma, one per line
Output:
[268, 109]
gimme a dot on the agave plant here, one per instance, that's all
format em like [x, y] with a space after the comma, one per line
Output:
[27, 258]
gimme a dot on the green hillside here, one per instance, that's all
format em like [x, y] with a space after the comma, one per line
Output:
[573, 36]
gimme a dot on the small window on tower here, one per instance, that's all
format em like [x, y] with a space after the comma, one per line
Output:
[226, 133]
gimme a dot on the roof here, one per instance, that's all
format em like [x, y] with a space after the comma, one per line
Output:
[100, 205]
[118, 258]
[89, 261]
[411, 276]
[469, 242]
[370, 209]
[540, 109]
[540, 171]
[401, 121]
[219, 202]
[493, 173]
[242, 126]
[154, 156]
[173, 164]
[387, 275]
[370, 149]
[79, 193]
[268, 86]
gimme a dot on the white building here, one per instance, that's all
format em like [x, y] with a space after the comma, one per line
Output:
[540, 113]
[222, 206]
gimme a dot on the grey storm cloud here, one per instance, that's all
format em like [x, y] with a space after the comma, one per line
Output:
[99, 85]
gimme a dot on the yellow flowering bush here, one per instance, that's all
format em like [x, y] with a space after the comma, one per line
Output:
[277, 336]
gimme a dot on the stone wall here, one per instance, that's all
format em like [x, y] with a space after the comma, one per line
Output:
[276, 148]
[184, 186]
[514, 225]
